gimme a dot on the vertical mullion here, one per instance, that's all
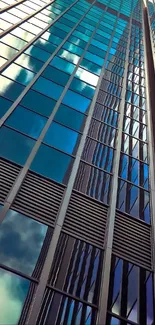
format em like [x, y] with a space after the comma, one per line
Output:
[113, 200]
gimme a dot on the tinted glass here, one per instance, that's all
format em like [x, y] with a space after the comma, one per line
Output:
[76, 101]
[38, 103]
[70, 117]
[52, 164]
[26, 238]
[62, 138]
[48, 88]
[26, 122]
[15, 146]
[4, 105]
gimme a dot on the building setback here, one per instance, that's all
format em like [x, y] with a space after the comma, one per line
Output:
[77, 183]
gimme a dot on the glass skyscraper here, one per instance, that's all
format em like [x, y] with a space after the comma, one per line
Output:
[77, 183]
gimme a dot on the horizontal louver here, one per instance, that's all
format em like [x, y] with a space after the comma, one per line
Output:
[8, 174]
[40, 198]
[86, 219]
[132, 240]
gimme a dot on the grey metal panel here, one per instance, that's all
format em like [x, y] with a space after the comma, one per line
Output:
[40, 198]
[86, 219]
[8, 174]
[132, 240]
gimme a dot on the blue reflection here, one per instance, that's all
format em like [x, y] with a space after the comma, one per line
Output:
[13, 292]
[15, 146]
[62, 138]
[4, 105]
[38, 103]
[70, 117]
[26, 122]
[76, 101]
[52, 163]
[26, 238]
[48, 88]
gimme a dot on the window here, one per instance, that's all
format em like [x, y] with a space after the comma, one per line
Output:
[76, 101]
[52, 164]
[26, 237]
[70, 118]
[15, 289]
[63, 65]
[48, 88]
[26, 122]
[38, 103]
[19, 74]
[82, 88]
[4, 105]
[62, 138]
[10, 89]
[15, 146]
[56, 75]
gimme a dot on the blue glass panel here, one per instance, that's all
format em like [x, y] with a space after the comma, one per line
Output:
[38, 53]
[63, 65]
[9, 88]
[13, 290]
[70, 117]
[14, 146]
[47, 46]
[62, 138]
[26, 121]
[73, 48]
[82, 88]
[90, 66]
[26, 238]
[38, 103]
[18, 73]
[48, 88]
[77, 41]
[94, 58]
[4, 105]
[52, 164]
[29, 62]
[76, 101]
[56, 75]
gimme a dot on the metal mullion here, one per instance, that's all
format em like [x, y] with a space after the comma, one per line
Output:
[8, 62]
[8, 30]
[11, 6]
[10, 269]
[113, 198]
[105, 144]
[89, 275]
[96, 167]
[132, 184]
[121, 319]
[132, 136]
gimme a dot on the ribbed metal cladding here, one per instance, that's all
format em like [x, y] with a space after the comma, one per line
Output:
[8, 174]
[40, 198]
[86, 219]
[132, 240]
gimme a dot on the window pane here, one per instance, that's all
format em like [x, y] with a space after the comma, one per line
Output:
[38, 103]
[26, 122]
[19, 74]
[70, 117]
[82, 87]
[76, 101]
[14, 290]
[62, 138]
[52, 164]
[56, 75]
[14, 146]
[4, 105]
[48, 88]
[26, 237]
[63, 65]
[9, 88]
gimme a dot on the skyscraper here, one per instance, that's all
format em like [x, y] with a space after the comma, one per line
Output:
[77, 185]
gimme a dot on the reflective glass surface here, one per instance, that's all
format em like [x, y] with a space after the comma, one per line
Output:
[26, 238]
[38, 103]
[48, 88]
[52, 164]
[13, 292]
[76, 101]
[70, 118]
[62, 138]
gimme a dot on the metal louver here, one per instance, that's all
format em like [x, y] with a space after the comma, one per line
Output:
[40, 198]
[132, 240]
[86, 219]
[8, 174]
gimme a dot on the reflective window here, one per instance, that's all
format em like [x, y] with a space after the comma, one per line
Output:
[93, 182]
[82, 87]
[4, 105]
[81, 264]
[56, 75]
[62, 138]
[29, 62]
[26, 121]
[14, 146]
[63, 65]
[76, 101]
[70, 118]
[26, 237]
[87, 76]
[7, 51]
[14, 290]
[10, 89]
[13, 41]
[48, 88]
[102, 132]
[125, 298]
[52, 164]
[38, 103]
[97, 154]
[38, 53]
[19, 74]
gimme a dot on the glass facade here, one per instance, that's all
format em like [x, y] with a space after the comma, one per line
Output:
[74, 155]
